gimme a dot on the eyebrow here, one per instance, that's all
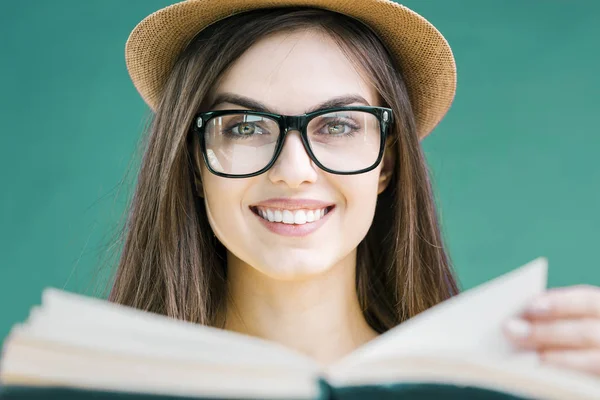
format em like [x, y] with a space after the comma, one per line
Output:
[255, 105]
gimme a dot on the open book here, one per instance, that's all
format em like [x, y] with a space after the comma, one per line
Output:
[88, 346]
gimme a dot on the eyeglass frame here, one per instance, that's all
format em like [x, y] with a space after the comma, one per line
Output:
[294, 122]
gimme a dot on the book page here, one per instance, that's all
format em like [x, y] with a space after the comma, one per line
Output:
[77, 341]
[465, 325]
[84, 322]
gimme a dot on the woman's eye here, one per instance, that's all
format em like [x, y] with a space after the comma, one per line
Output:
[245, 129]
[337, 129]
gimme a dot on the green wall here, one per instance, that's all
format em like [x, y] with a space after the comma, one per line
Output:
[515, 163]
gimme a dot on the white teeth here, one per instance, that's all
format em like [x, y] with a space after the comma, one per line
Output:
[300, 217]
[317, 215]
[288, 217]
[297, 217]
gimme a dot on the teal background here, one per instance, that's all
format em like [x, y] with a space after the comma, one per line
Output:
[515, 163]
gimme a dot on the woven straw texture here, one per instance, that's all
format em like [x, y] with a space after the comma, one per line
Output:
[420, 49]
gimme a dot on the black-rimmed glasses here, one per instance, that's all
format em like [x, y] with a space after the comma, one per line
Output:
[245, 143]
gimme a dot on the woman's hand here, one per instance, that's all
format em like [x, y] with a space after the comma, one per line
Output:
[563, 326]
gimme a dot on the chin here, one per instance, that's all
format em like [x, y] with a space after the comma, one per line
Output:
[293, 268]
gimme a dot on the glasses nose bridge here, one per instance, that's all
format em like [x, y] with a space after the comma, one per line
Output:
[293, 122]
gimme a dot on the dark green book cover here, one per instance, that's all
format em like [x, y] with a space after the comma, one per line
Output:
[415, 391]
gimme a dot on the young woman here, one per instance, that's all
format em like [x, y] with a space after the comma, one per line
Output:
[283, 192]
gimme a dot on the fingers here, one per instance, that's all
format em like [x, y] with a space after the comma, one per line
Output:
[580, 360]
[569, 302]
[563, 327]
[559, 334]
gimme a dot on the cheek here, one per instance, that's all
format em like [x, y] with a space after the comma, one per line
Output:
[222, 199]
[360, 193]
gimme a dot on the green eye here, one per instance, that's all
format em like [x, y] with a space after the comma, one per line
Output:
[246, 128]
[335, 129]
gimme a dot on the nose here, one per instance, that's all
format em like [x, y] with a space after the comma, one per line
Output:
[293, 166]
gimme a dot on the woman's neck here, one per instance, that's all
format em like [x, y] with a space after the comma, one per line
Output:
[318, 316]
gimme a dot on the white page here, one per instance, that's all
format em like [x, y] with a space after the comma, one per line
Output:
[91, 323]
[467, 324]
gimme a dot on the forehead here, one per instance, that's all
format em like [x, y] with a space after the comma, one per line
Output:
[292, 71]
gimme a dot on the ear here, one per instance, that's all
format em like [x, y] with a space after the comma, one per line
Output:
[387, 168]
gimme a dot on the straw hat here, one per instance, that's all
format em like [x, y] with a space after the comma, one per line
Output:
[420, 49]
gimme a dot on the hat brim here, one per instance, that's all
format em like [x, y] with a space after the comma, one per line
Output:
[424, 56]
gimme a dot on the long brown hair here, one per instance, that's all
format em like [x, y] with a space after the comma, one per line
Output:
[172, 264]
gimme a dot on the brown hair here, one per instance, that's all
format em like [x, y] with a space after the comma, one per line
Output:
[172, 264]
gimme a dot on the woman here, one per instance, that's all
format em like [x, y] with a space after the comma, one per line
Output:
[283, 192]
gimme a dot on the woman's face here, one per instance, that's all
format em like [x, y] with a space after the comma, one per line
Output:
[290, 74]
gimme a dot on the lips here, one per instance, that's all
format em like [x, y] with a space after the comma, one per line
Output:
[292, 217]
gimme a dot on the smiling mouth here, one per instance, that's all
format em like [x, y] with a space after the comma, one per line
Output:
[291, 217]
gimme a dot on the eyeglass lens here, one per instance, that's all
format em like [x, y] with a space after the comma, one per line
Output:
[343, 141]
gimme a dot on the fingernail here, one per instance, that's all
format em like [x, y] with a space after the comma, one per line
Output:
[518, 328]
[539, 306]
